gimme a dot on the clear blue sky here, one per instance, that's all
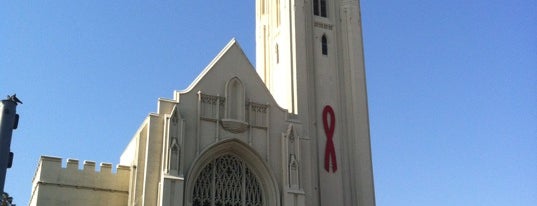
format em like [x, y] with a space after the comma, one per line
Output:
[452, 86]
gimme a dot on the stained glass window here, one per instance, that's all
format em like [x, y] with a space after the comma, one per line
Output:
[227, 181]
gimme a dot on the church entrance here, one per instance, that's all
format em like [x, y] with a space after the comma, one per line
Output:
[227, 181]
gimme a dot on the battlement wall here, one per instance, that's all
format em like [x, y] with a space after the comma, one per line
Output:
[57, 185]
[51, 172]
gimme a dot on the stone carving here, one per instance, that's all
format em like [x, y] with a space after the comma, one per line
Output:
[291, 145]
[293, 172]
[210, 110]
[174, 156]
[258, 115]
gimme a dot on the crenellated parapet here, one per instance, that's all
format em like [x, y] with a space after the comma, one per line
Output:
[50, 172]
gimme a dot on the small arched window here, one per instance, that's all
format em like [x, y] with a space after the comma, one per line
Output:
[324, 44]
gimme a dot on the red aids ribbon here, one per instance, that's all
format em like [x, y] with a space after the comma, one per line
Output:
[329, 127]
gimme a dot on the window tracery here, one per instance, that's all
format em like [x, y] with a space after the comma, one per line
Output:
[227, 181]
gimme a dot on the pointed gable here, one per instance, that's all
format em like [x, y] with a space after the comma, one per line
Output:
[231, 63]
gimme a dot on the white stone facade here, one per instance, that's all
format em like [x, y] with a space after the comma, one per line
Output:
[295, 133]
[54, 185]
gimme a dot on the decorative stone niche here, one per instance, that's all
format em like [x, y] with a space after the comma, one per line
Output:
[234, 119]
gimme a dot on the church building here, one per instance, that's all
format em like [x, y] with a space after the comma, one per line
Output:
[293, 131]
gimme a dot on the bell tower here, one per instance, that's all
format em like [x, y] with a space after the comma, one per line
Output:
[310, 55]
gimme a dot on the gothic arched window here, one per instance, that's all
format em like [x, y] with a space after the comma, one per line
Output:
[324, 44]
[227, 181]
[319, 8]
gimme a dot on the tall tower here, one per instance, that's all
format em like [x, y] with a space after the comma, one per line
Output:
[310, 55]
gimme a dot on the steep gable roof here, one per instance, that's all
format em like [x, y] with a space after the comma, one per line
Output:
[231, 62]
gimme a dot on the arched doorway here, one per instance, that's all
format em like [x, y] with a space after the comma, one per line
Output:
[227, 181]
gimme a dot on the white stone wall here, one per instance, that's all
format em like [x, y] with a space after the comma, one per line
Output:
[54, 185]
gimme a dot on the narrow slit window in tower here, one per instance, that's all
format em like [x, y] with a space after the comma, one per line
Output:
[324, 43]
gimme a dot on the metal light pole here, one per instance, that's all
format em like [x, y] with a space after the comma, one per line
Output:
[9, 120]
